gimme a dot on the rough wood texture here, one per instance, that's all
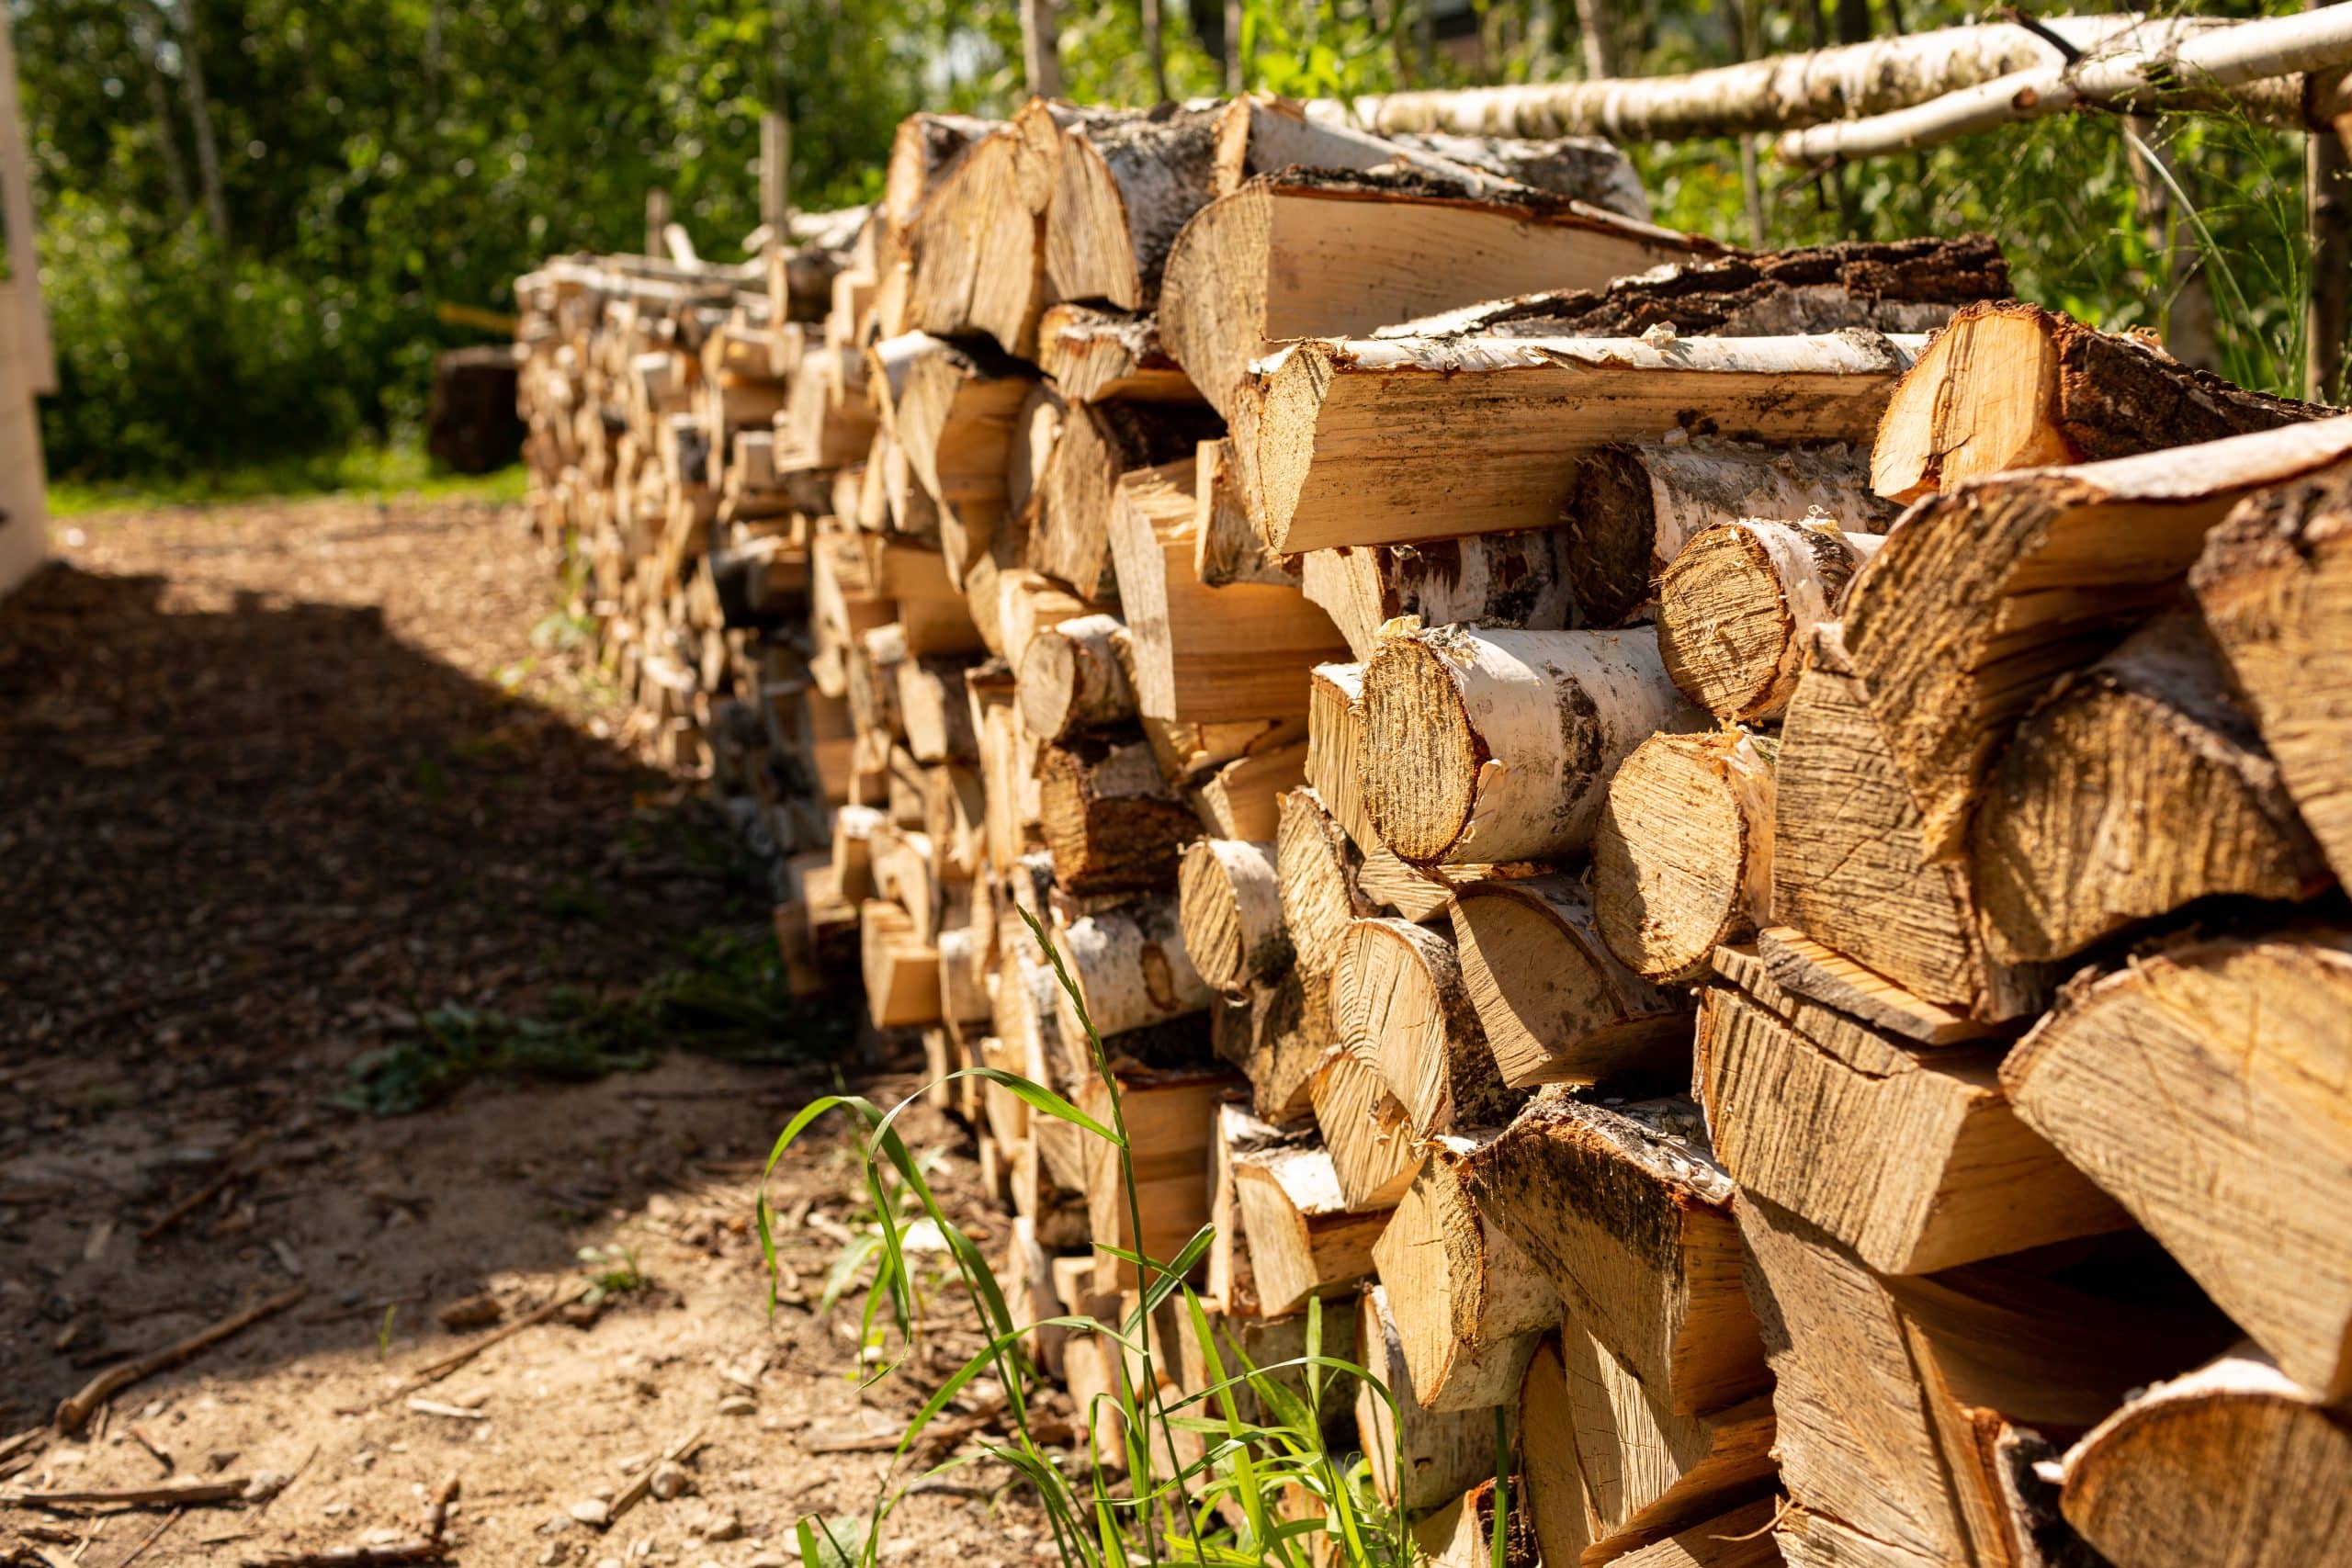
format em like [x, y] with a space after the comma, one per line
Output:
[1910, 1155]
[1626, 1212]
[1517, 581]
[1317, 866]
[1205, 653]
[1305, 1241]
[1228, 545]
[1335, 747]
[1095, 356]
[1170, 1120]
[2128, 791]
[1073, 677]
[1988, 592]
[2010, 385]
[1888, 1394]
[1070, 535]
[1738, 607]
[1280, 1035]
[1682, 859]
[1374, 1153]
[1123, 190]
[902, 970]
[1609, 1469]
[1467, 1304]
[1496, 746]
[2231, 1465]
[1740, 1537]
[1131, 967]
[1108, 817]
[1401, 1006]
[1241, 800]
[1444, 1453]
[1631, 508]
[1351, 432]
[1850, 863]
[1902, 286]
[1230, 894]
[1557, 1005]
[2204, 1086]
[2275, 586]
[1307, 255]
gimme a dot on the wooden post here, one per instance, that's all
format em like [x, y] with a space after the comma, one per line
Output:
[775, 177]
[657, 220]
[1155, 49]
[37, 355]
[2328, 210]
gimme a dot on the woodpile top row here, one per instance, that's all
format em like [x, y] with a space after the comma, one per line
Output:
[1740, 850]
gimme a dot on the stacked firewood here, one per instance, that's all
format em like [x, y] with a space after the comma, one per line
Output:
[1734, 855]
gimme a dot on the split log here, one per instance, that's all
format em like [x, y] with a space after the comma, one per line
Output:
[1205, 653]
[852, 852]
[1902, 286]
[1422, 894]
[874, 661]
[1170, 1118]
[1094, 357]
[1497, 745]
[902, 970]
[1738, 607]
[1400, 1007]
[2232, 1466]
[1986, 593]
[1279, 1033]
[1443, 1453]
[1682, 858]
[1325, 255]
[1351, 432]
[1108, 817]
[2131, 790]
[1317, 867]
[1029, 604]
[1335, 747]
[923, 149]
[1514, 582]
[1804, 968]
[1625, 1211]
[1467, 1304]
[1374, 1153]
[953, 410]
[2275, 583]
[1590, 169]
[1259, 134]
[1057, 1212]
[1232, 906]
[954, 818]
[1242, 799]
[1741, 1537]
[1228, 545]
[1852, 866]
[1035, 430]
[2010, 385]
[1122, 192]
[1074, 678]
[1805, 1103]
[1890, 1394]
[1557, 1005]
[1632, 508]
[963, 991]
[1100, 442]
[1229, 1282]
[1609, 1469]
[935, 711]
[1130, 966]
[2202, 1087]
[1305, 1241]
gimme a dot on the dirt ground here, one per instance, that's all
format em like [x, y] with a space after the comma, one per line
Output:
[274, 783]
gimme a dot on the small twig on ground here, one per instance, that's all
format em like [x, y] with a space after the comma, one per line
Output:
[76, 1409]
[181, 1494]
[32, 1437]
[139, 1435]
[637, 1490]
[192, 1202]
[435, 1371]
[152, 1537]
[426, 1548]
[452, 1412]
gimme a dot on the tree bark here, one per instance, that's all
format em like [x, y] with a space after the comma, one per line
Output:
[1041, 47]
[1514, 582]
[1123, 191]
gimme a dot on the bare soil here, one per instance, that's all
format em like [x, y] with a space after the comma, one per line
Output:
[273, 782]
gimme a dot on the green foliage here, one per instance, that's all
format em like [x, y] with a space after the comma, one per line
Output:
[728, 998]
[1261, 1459]
[611, 1271]
[366, 469]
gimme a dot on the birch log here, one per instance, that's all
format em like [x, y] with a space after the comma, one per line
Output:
[1682, 858]
[1443, 1453]
[1513, 581]
[1557, 1005]
[1108, 817]
[1317, 867]
[1095, 356]
[1122, 192]
[2010, 385]
[1374, 1152]
[1498, 746]
[2131, 790]
[1305, 1240]
[1130, 966]
[2202, 1085]
[2274, 585]
[1358, 443]
[1232, 906]
[1073, 677]
[1738, 607]
[1632, 508]
[1398, 999]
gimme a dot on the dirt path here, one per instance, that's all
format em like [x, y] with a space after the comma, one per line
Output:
[276, 785]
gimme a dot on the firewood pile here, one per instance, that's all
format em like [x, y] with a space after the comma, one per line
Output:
[1735, 854]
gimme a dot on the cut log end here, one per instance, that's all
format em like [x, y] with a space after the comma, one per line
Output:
[1680, 861]
[1418, 795]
